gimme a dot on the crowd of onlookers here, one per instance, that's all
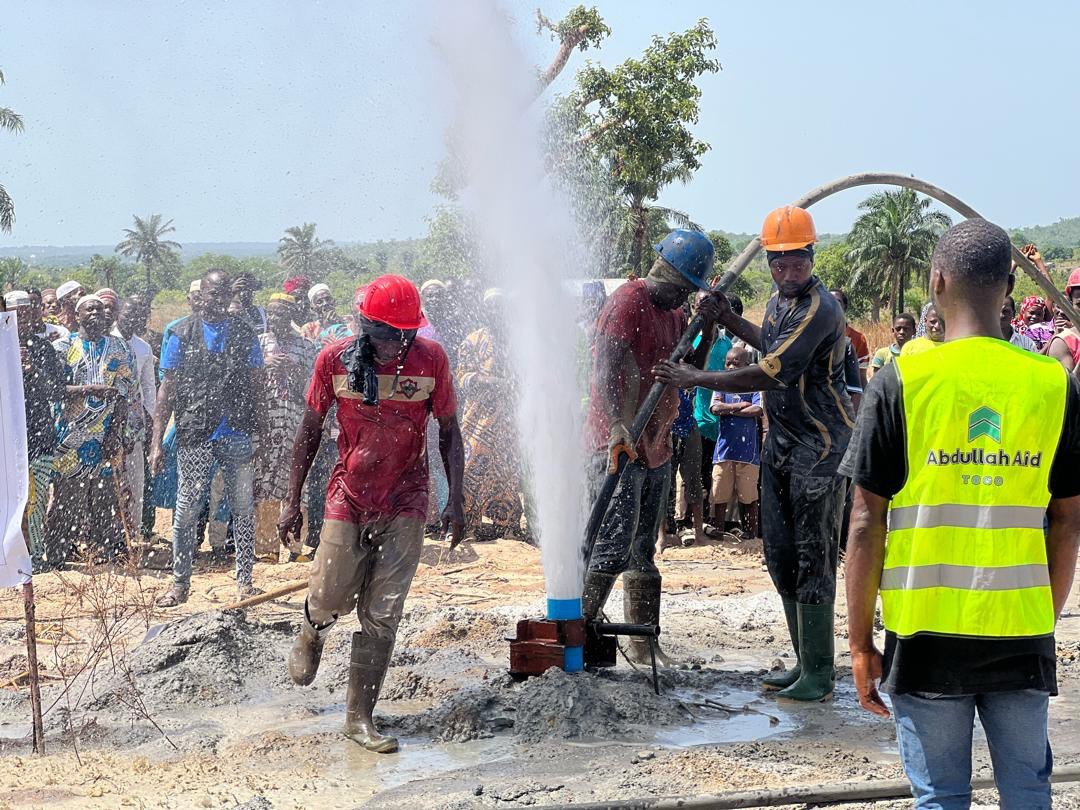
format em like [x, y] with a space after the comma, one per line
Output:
[103, 459]
[115, 410]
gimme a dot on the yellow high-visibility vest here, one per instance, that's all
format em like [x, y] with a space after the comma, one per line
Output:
[965, 553]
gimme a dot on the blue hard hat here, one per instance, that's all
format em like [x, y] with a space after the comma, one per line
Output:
[689, 252]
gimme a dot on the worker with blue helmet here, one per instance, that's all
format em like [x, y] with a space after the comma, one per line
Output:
[639, 324]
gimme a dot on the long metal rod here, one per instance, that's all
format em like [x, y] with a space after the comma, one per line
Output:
[795, 794]
[740, 262]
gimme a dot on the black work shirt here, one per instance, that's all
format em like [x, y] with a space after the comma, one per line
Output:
[811, 417]
[43, 388]
[952, 665]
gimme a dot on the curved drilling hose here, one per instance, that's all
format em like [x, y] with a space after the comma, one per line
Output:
[740, 262]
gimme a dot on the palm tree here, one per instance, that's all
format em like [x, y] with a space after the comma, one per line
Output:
[12, 122]
[892, 242]
[145, 245]
[635, 194]
[300, 250]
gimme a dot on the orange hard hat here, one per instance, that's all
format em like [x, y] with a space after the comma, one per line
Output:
[1074, 280]
[787, 228]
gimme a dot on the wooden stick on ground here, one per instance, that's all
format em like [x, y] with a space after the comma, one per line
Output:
[251, 601]
[32, 666]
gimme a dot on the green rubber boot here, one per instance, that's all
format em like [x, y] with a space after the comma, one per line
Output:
[782, 680]
[816, 650]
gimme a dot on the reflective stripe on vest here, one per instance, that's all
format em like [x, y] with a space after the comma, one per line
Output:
[966, 516]
[966, 554]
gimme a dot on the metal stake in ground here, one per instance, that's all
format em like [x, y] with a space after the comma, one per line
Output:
[32, 666]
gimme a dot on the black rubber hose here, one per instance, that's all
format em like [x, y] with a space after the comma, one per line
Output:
[740, 262]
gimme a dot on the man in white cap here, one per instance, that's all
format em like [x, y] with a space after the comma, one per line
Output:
[43, 390]
[90, 432]
[328, 325]
[68, 295]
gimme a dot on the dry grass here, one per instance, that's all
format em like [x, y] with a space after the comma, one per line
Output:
[878, 335]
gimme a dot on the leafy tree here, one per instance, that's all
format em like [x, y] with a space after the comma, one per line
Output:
[145, 244]
[449, 249]
[408, 262]
[107, 270]
[581, 28]
[11, 270]
[382, 259]
[892, 242]
[300, 250]
[12, 122]
[636, 118]
[722, 249]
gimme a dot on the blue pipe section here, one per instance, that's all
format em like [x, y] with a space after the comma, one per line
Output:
[568, 610]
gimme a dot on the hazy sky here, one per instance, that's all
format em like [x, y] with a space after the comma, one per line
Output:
[239, 119]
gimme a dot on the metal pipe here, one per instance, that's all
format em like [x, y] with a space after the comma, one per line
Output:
[797, 794]
[617, 629]
[740, 262]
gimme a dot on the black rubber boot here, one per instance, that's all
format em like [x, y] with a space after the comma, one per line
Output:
[782, 680]
[816, 651]
[641, 605]
[307, 650]
[597, 590]
[370, 659]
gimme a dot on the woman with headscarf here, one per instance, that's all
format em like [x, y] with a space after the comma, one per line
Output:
[929, 333]
[492, 481]
[289, 361]
[1035, 321]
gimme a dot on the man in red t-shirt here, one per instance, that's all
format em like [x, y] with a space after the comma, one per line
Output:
[639, 325]
[387, 383]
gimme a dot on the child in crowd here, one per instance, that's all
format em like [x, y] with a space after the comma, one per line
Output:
[903, 330]
[738, 449]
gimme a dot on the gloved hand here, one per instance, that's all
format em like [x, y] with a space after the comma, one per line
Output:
[619, 443]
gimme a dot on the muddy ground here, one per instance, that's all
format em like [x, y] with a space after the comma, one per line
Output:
[203, 714]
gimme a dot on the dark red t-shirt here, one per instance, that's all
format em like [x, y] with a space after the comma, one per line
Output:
[631, 318]
[382, 469]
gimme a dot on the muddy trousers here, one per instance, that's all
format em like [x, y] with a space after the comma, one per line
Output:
[40, 480]
[195, 465]
[800, 521]
[369, 567]
[626, 540]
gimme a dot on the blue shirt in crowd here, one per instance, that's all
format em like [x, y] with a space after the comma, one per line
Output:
[738, 436]
[215, 335]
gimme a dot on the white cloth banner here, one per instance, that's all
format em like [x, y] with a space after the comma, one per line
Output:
[14, 467]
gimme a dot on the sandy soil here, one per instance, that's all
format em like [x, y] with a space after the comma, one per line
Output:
[203, 714]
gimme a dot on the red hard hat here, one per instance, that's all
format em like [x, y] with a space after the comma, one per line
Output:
[1074, 280]
[395, 301]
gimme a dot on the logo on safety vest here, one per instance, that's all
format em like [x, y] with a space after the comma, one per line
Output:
[984, 422]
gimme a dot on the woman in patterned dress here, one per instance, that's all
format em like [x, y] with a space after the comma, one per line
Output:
[289, 360]
[492, 483]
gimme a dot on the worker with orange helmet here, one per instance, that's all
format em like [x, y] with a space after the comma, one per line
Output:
[387, 383]
[802, 343]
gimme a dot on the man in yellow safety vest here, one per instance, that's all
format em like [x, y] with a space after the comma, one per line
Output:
[955, 469]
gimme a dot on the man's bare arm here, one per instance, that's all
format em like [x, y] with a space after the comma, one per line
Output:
[863, 563]
[1062, 544]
